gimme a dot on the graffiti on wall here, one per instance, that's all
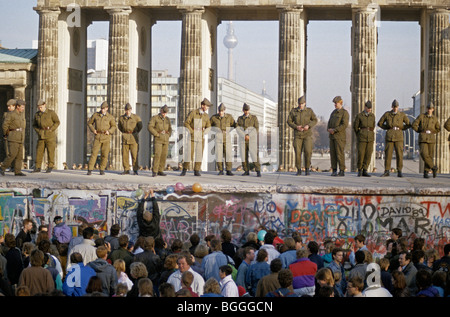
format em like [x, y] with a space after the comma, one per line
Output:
[315, 216]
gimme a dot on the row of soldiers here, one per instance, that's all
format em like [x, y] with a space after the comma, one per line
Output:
[301, 119]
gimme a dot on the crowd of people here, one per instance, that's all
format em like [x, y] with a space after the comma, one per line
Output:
[263, 266]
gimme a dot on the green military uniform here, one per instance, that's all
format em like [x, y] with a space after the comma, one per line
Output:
[447, 127]
[14, 128]
[101, 124]
[161, 129]
[394, 124]
[427, 126]
[364, 126]
[338, 122]
[222, 127]
[45, 124]
[248, 125]
[11, 104]
[198, 124]
[303, 141]
[130, 126]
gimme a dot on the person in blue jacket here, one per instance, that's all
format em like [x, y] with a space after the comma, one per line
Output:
[78, 276]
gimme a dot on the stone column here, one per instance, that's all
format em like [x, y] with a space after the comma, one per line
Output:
[191, 62]
[437, 83]
[47, 59]
[291, 76]
[364, 75]
[118, 74]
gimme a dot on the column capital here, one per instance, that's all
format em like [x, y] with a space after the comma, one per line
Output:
[191, 9]
[118, 10]
[370, 8]
[47, 10]
[290, 8]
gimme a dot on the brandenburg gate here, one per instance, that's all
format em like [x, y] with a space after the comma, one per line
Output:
[62, 55]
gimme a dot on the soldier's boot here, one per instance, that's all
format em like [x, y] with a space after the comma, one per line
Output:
[334, 173]
[197, 173]
[246, 173]
[125, 173]
[36, 170]
[49, 170]
[341, 173]
[154, 174]
[2, 171]
[364, 173]
[399, 174]
[434, 169]
[359, 172]
[102, 172]
[220, 172]
[386, 173]
[307, 172]
[20, 174]
[135, 172]
[162, 174]
[426, 175]
[183, 172]
[229, 173]
[89, 172]
[258, 174]
[299, 172]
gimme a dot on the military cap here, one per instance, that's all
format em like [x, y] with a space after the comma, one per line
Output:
[20, 102]
[222, 107]
[368, 104]
[165, 109]
[301, 100]
[104, 105]
[395, 103]
[205, 101]
[337, 99]
[430, 105]
[11, 102]
[245, 107]
[127, 106]
[41, 102]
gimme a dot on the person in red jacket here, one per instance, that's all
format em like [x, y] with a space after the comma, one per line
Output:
[304, 271]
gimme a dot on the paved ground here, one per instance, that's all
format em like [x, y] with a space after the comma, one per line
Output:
[318, 182]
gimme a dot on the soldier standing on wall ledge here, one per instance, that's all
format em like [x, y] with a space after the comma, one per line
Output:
[14, 128]
[427, 125]
[130, 125]
[222, 123]
[102, 124]
[302, 120]
[364, 126]
[198, 124]
[248, 129]
[337, 124]
[161, 129]
[45, 123]
[11, 105]
[394, 122]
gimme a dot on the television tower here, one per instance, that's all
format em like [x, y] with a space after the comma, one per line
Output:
[230, 41]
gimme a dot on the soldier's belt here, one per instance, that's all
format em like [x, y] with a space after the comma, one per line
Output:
[128, 132]
[395, 128]
[46, 128]
[18, 129]
[427, 132]
[368, 129]
[102, 132]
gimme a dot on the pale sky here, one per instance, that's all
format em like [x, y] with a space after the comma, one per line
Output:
[256, 55]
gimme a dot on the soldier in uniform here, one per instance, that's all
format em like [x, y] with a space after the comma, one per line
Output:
[302, 119]
[364, 126]
[14, 128]
[11, 106]
[247, 129]
[103, 125]
[222, 123]
[427, 125]
[337, 124]
[130, 125]
[45, 123]
[394, 122]
[198, 124]
[161, 129]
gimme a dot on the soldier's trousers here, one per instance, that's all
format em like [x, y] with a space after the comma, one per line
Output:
[223, 154]
[249, 149]
[427, 154]
[15, 154]
[50, 145]
[389, 150]
[159, 159]
[365, 150]
[104, 147]
[337, 154]
[196, 155]
[305, 146]
[126, 150]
